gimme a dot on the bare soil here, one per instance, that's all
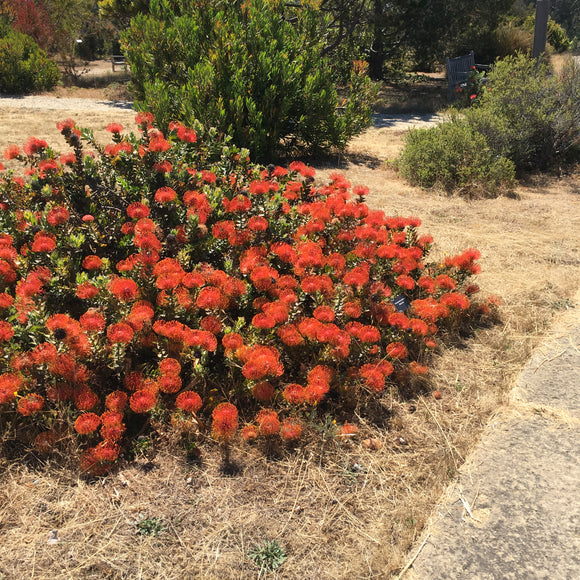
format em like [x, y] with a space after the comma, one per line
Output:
[340, 508]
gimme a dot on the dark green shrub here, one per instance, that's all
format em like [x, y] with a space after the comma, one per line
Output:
[24, 68]
[245, 69]
[529, 115]
[454, 157]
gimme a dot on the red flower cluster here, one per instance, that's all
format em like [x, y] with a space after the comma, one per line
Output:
[257, 286]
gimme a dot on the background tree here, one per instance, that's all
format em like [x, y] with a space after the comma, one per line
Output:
[255, 70]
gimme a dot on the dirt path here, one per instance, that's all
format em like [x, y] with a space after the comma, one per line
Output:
[49, 103]
[52, 103]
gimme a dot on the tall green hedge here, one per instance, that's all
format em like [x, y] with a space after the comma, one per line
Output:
[254, 70]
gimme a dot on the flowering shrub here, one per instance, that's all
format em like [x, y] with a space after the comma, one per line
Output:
[471, 90]
[167, 274]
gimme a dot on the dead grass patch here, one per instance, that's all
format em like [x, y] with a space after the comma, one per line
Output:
[341, 510]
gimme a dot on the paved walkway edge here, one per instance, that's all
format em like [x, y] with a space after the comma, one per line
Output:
[514, 512]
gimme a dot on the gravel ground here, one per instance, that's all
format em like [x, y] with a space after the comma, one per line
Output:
[59, 103]
[380, 120]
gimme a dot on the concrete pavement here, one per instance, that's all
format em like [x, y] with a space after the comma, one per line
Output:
[514, 512]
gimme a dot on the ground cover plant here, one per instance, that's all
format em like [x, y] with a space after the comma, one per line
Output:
[173, 275]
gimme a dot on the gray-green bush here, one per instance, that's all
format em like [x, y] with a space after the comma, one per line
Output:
[529, 114]
[454, 157]
[528, 118]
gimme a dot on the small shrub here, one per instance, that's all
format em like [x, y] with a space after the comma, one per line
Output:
[24, 68]
[556, 35]
[150, 526]
[529, 115]
[268, 556]
[456, 158]
[167, 277]
[510, 39]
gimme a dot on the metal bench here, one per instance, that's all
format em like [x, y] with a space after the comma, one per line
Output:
[458, 69]
[118, 60]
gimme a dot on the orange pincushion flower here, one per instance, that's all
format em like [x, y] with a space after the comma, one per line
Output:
[373, 377]
[85, 399]
[57, 215]
[87, 423]
[112, 418]
[92, 321]
[169, 383]
[399, 320]
[43, 242]
[418, 326]
[138, 210]
[169, 366]
[324, 314]
[455, 300]
[348, 429]
[92, 262]
[114, 128]
[30, 404]
[291, 429]
[11, 152]
[209, 298]
[116, 401]
[34, 145]
[294, 393]
[249, 433]
[232, 340]
[314, 392]
[268, 422]
[211, 324]
[263, 391]
[142, 401]
[43, 353]
[91, 464]
[418, 369]
[6, 331]
[262, 361]
[290, 335]
[6, 300]
[396, 350]
[44, 442]
[112, 432]
[134, 381]
[86, 291]
[258, 224]
[225, 421]
[165, 195]
[121, 332]
[320, 374]
[106, 451]
[124, 289]
[189, 401]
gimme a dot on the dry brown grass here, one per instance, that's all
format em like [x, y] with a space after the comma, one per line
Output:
[340, 509]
